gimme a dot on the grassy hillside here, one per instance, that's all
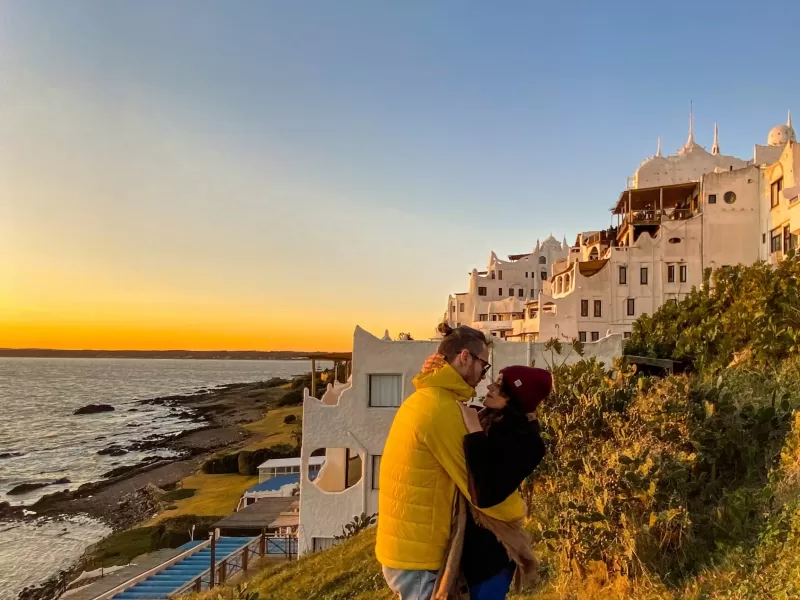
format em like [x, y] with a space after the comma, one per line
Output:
[678, 488]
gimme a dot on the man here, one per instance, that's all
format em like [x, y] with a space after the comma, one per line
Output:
[423, 465]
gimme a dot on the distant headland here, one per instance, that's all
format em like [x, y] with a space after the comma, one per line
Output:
[175, 354]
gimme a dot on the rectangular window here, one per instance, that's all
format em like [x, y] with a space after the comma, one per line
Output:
[582, 336]
[323, 543]
[584, 308]
[458, 324]
[595, 336]
[461, 307]
[631, 307]
[526, 274]
[623, 275]
[453, 308]
[626, 335]
[483, 317]
[481, 291]
[598, 308]
[712, 198]
[671, 274]
[683, 272]
[510, 292]
[544, 275]
[500, 275]
[789, 240]
[531, 313]
[376, 472]
[494, 317]
[763, 238]
[521, 292]
[500, 291]
[775, 241]
[643, 275]
[775, 193]
[385, 390]
[492, 274]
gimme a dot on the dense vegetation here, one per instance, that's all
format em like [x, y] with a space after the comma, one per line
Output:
[655, 487]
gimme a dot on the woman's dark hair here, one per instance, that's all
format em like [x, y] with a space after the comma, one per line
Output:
[459, 339]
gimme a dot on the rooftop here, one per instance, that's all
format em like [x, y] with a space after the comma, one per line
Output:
[649, 198]
[276, 483]
[257, 516]
[290, 462]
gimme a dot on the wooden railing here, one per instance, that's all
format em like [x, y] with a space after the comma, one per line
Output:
[257, 548]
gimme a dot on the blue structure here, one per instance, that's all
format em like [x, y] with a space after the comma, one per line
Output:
[276, 483]
[160, 585]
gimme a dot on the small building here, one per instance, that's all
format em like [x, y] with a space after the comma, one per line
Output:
[287, 466]
[281, 486]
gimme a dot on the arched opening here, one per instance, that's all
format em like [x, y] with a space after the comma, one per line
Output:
[594, 254]
[560, 285]
[343, 468]
[542, 260]
[566, 283]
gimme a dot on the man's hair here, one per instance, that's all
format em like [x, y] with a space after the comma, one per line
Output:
[461, 338]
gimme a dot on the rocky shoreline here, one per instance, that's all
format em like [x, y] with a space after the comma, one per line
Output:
[217, 416]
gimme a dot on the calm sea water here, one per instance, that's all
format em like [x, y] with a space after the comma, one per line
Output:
[37, 399]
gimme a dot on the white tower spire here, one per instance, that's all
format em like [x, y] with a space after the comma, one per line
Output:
[715, 147]
[690, 141]
[658, 153]
[789, 120]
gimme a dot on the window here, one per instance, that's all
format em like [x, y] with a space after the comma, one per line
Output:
[775, 193]
[712, 198]
[584, 308]
[521, 292]
[500, 291]
[763, 238]
[623, 275]
[458, 324]
[526, 274]
[582, 336]
[729, 197]
[494, 317]
[671, 274]
[775, 241]
[461, 307]
[510, 292]
[598, 308]
[595, 336]
[683, 271]
[674, 240]
[789, 240]
[453, 308]
[481, 291]
[384, 390]
[631, 307]
[643, 275]
[376, 472]
[492, 274]
[323, 543]
[626, 335]
[500, 275]
[544, 275]
[483, 317]
[542, 260]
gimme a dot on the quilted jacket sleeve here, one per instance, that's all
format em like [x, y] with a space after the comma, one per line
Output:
[445, 438]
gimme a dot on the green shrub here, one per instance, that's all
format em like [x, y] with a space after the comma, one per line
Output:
[291, 398]
[179, 494]
[221, 465]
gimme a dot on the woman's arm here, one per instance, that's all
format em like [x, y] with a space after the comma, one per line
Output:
[499, 460]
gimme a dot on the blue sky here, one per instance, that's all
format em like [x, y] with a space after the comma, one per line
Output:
[192, 168]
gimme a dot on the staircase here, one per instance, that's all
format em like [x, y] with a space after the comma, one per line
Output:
[160, 585]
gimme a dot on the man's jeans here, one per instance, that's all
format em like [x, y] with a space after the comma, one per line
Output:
[411, 585]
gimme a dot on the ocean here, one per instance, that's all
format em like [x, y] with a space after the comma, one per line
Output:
[41, 439]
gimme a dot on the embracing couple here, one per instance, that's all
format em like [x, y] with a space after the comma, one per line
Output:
[450, 513]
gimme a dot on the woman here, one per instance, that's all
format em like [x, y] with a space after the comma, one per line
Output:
[502, 448]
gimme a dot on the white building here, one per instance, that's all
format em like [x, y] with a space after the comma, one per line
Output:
[352, 421]
[679, 216]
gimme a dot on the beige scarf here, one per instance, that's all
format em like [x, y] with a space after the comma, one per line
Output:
[514, 538]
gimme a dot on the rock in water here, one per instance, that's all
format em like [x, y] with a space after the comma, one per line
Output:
[92, 409]
[24, 488]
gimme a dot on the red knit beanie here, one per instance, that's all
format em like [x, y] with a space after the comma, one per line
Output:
[528, 386]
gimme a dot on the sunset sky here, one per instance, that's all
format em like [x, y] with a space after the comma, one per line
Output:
[268, 175]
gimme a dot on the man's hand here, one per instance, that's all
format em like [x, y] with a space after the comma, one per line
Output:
[433, 362]
[471, 419]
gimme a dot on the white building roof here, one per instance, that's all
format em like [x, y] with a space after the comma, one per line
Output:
[290, 462]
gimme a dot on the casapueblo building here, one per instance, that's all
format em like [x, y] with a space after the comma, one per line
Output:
[679, 215]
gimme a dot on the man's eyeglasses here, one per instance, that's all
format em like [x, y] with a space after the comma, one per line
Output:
[486, 364]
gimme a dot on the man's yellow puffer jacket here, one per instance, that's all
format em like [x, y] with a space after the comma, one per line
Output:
[423, 462]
